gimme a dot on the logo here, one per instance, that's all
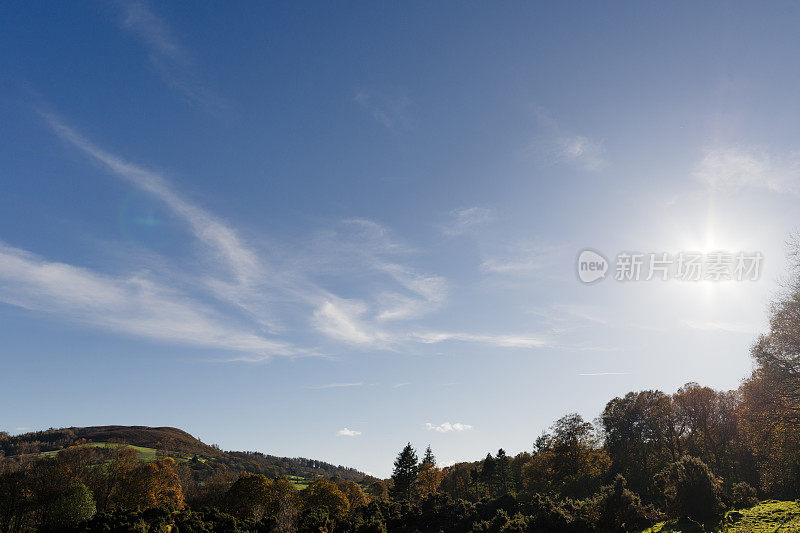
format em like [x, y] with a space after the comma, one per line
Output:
[591, 266]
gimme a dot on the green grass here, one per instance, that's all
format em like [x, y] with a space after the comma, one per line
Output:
[299, 482]
[768, 516]
[145, 454]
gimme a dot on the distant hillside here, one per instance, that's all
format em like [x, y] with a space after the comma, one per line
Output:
[173, 441]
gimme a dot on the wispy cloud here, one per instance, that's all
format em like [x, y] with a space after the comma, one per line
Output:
[467, 219]
[557, 145]
[504, 341]
[403, 384]
[736, 168]
[168, 56]
[447, 427]
[523, 258]
[227, 252]
[345, 432]
[341, 320]
[720, 326]
[605, 374]
[213, 232]
[335, 386]
[391, 112]
[235, 273]
[581, 151]
[133, 305]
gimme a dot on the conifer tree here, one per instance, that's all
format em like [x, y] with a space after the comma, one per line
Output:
[405, 473]
[487, 474]
[502, 470]
[429, 459]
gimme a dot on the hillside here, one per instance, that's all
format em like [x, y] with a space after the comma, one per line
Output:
[176, 442]
[768, 516]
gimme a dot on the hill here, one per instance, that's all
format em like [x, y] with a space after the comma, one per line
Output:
[174, 442]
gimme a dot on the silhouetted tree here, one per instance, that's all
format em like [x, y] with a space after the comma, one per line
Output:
[405, 473]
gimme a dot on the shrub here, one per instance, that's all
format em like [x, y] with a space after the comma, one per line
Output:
[691, 490]
[743, 496]
[71, 508]
[619, 509]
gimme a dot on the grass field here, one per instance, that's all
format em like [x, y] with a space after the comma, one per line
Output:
[145, 454]
[768, 516]
[299, 482]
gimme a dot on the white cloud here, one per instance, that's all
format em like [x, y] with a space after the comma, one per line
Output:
[500, 266]
[504, 341]
[341, 320]
[428, 294]
[720, 326]
[467, 219]
[242, 276]
[403, 384]
[447, 427]
[391, 112]
[213, 232]
[344, 432]
[170, 58]
[133, 305]
[555, 145]
[581, 152]
[605, 374]
[334, 385]
[749, 168]
[239, 275]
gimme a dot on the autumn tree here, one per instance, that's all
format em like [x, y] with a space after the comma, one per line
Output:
[154, 484]
[354, 494]
[109, 482]
[428, 479]
[247, 497]
[770, 410]
[283, 503]
[568, 463]
[324, 495]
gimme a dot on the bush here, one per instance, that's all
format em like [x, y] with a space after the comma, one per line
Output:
[71, 508]
[619, 509]
[743, 496]
[691, 490]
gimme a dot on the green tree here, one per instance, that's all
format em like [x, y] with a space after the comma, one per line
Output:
[71, 508]
[429, 459]
[405, 473]
[378, 490]
[488, 469]
[691, 490]
[502, 472]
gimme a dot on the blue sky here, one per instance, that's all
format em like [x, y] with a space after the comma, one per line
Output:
[327, 229]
